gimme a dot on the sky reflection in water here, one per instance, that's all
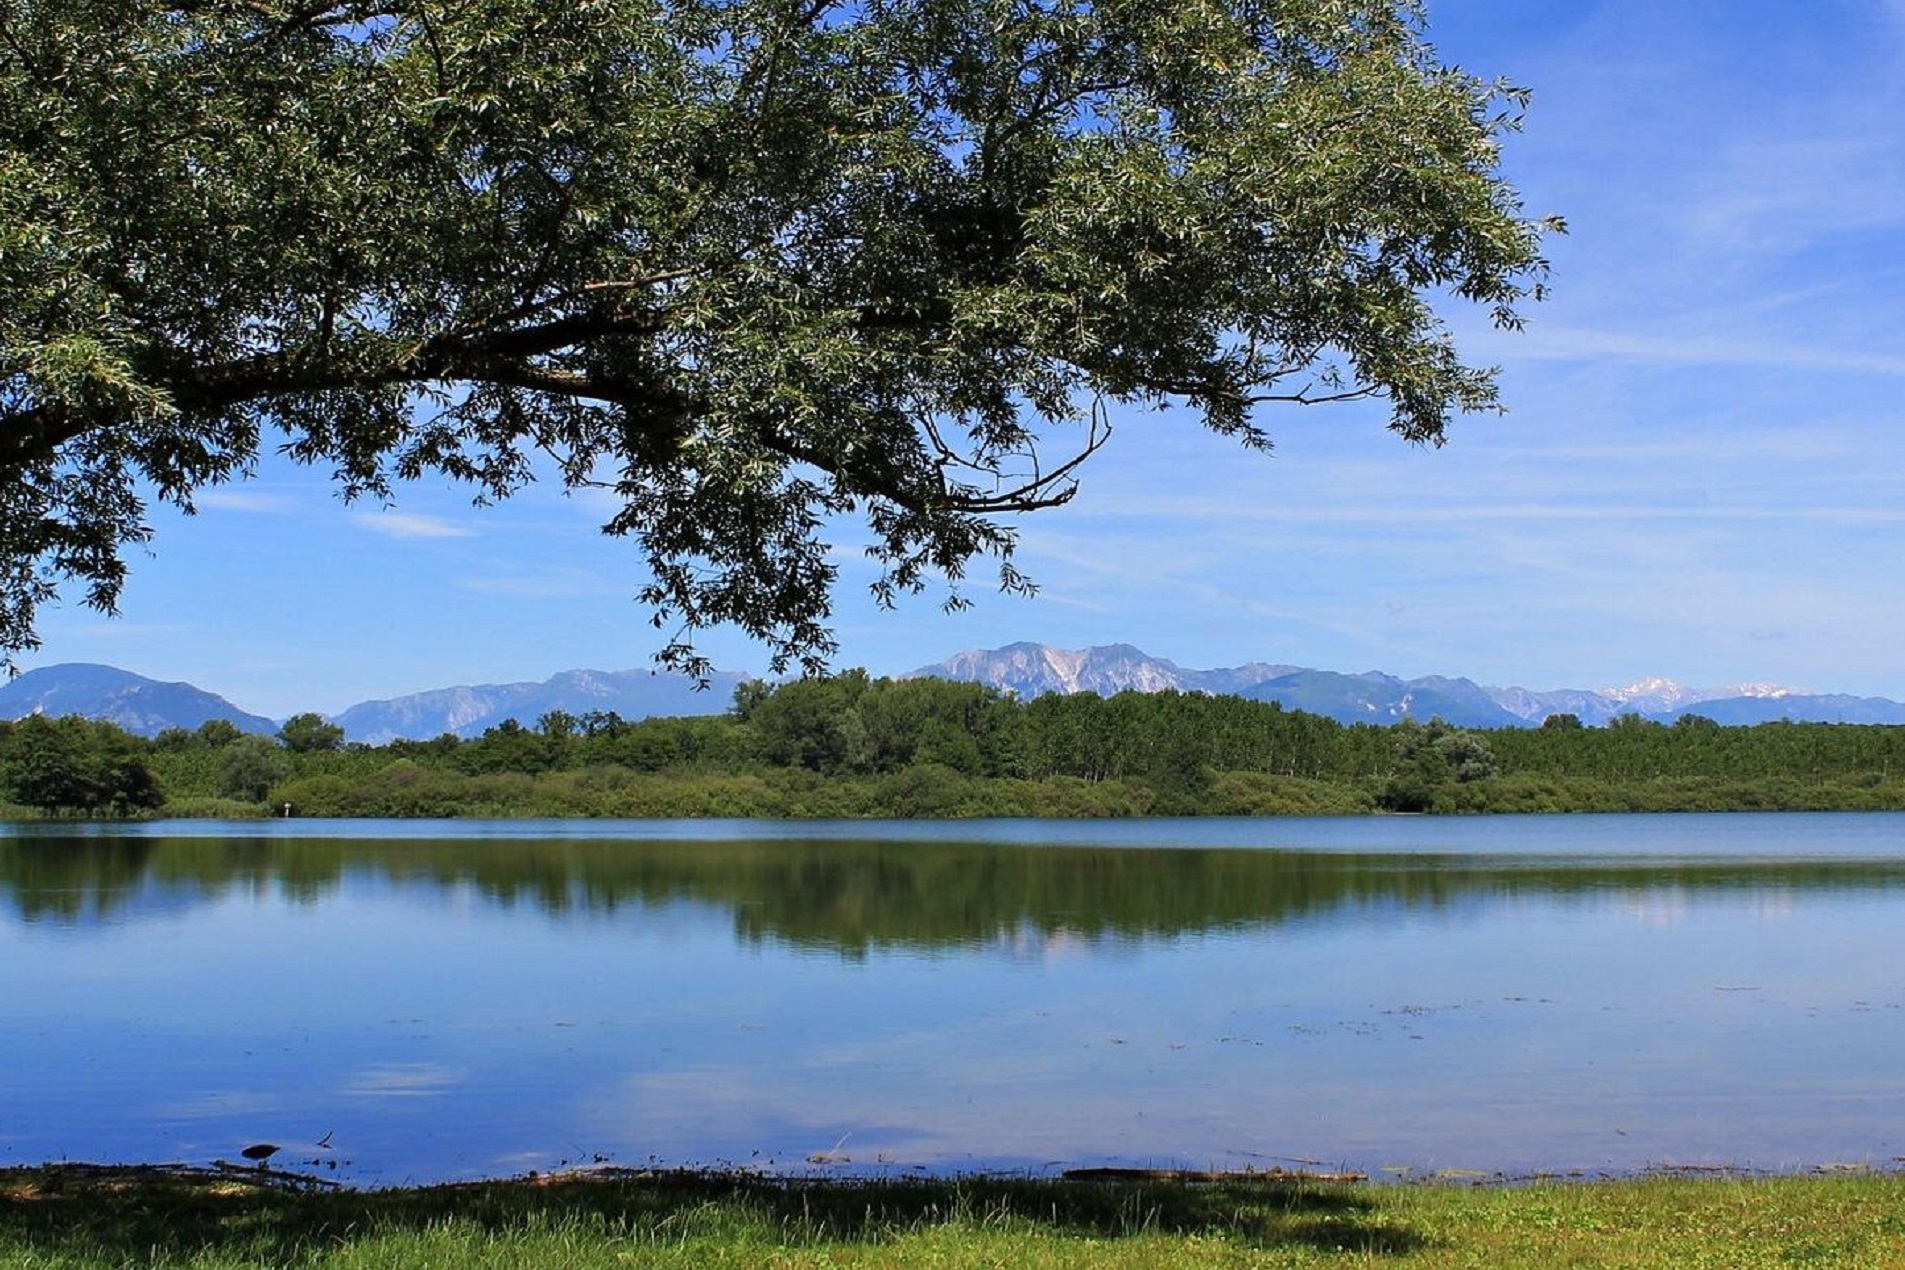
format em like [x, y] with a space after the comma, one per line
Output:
[1559, 993]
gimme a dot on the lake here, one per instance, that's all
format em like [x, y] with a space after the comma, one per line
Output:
[401, 1001]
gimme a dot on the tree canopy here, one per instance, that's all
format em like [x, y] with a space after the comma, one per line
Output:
[748, 264]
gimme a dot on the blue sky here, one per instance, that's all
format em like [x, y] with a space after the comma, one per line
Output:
[1701, 475]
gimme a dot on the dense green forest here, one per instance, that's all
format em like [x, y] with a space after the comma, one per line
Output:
[850, 745]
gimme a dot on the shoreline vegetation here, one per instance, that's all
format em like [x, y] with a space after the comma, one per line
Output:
[850, 746]
[82, 1216]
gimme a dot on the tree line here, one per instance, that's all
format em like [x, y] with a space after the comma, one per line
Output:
[855, 745]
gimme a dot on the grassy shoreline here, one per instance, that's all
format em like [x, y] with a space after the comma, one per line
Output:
[85, 1217]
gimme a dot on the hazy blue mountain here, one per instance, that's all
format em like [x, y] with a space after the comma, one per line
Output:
[1236, 680]
[1661, 699]
[1029, 669]
[467, 710]
[1382, 699]
[137, 704]
[1460, 699]
[146, 706]
[1591, 708]
[1798, 708]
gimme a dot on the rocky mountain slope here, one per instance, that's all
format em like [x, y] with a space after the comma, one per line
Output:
[142, 706]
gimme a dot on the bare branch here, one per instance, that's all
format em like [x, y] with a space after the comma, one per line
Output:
[1306, 397]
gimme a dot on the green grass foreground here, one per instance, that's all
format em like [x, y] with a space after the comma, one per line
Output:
[71, 1216]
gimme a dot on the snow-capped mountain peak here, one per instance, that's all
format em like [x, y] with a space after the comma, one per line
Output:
[1658, 696]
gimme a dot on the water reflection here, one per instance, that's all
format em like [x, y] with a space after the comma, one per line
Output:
[853, 897]
[1408, 994]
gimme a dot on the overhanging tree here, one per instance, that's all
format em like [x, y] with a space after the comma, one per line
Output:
[750, 264]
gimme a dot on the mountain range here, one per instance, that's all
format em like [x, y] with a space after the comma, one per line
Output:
[1373, 697]
[468, 710]
[146, 706]
[142, 706]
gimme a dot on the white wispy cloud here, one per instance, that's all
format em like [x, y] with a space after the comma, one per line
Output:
[408, 525]
[1777, 195]
[1573, 343]
[245, 500]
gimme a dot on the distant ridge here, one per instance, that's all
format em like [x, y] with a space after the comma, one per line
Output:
[1383, 699]
[145, 707]
[1030, 669]
[1803, 708]
[467, 710]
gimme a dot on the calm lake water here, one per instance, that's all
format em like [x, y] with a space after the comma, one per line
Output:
[399, 1001]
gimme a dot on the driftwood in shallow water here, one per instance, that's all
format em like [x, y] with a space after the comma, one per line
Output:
[1258, 1177]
